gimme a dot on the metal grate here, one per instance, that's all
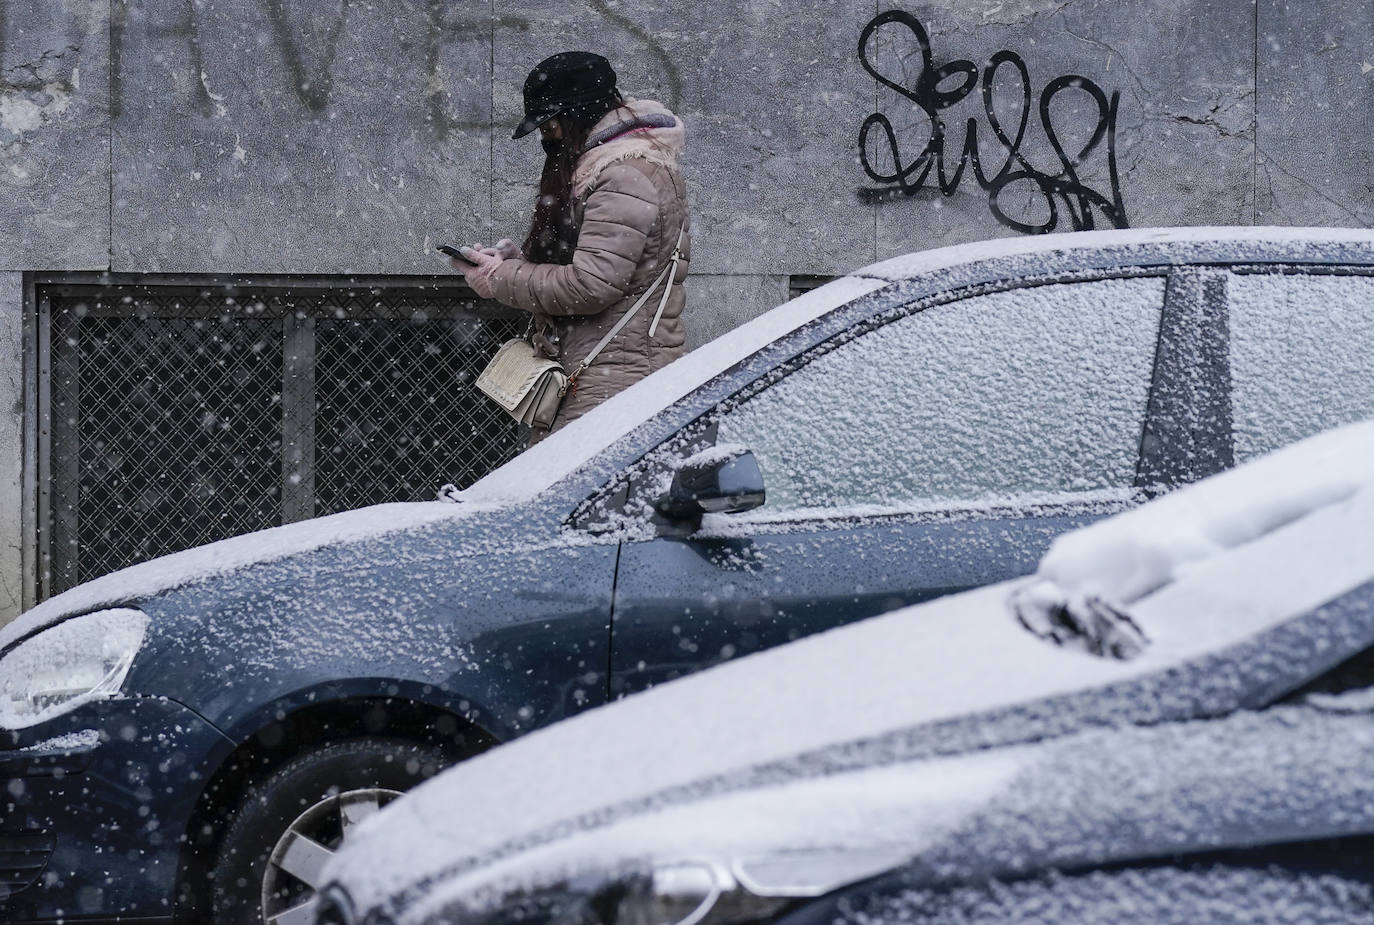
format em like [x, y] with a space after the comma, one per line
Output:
[23, 855]
[801, 284]
[182, 415]
[179, 435]
[394, 410]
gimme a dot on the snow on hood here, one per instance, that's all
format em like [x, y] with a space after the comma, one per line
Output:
[873, 820]
[1122, 560]
[1135, 792]
[955, 657]
[167, 572]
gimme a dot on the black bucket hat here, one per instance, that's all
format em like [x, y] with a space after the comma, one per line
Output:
[565, 81]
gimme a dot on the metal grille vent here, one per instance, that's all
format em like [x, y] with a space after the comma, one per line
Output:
[23, 856]
[800, 285]
[386, 428]
[181, 416]
[178, 437]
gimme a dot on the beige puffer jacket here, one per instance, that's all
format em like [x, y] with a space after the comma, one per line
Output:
[630, 193]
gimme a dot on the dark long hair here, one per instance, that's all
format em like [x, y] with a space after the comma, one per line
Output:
[553, 230]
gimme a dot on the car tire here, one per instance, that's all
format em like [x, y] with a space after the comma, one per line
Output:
[307, 804]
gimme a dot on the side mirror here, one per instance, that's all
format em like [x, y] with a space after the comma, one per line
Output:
[719, 480]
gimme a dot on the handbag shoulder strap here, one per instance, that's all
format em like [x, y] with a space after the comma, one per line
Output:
[630, 313]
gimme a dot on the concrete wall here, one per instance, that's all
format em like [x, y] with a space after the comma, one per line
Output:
[54, 135]
[335, 136]
[332, 136]
[11, 445]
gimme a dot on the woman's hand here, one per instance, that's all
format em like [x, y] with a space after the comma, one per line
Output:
[504, 248]
[478, 273]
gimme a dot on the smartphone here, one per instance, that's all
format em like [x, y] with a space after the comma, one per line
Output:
[457, 253]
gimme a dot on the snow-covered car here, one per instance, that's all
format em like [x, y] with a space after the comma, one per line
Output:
[926, 425]
[1171, 721]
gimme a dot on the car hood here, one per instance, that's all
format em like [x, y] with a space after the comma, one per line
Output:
[129, 586]
[1226, 630]
[1291, 773]
[806, 837]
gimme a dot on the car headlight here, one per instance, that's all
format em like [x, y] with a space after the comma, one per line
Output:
[77, 661]
[691, 893]
[687, 892]
[749, 889]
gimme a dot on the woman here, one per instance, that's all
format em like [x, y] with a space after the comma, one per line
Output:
[611, 211]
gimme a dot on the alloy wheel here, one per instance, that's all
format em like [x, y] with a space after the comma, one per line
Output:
[292, 880]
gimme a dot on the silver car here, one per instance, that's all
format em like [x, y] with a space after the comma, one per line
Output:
[1172, 720]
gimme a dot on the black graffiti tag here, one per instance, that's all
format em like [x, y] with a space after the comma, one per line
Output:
[1062, 192]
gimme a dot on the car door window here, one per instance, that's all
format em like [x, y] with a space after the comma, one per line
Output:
[1025, 393]
[1302, 351]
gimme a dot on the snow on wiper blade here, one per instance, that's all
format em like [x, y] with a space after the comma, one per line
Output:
[1088, 624]
[1091, 577]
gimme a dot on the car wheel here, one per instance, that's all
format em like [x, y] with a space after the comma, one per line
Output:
[290, 823]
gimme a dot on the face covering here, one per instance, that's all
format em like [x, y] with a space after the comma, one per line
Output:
[553, 147]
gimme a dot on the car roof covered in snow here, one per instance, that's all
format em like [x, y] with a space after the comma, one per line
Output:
[1198, 244]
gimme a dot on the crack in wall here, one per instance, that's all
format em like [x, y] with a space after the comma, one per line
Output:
[1208, 121]
[1218, 109]
[1268, 162]
[1112, 51]
[36, 68]
[34, 94]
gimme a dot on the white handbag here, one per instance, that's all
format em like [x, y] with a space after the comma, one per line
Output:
[530, 388]
[527, 386]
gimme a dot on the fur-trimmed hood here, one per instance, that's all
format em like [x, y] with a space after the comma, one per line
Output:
[641, 128]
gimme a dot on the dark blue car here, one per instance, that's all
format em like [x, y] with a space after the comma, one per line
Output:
[192, 737]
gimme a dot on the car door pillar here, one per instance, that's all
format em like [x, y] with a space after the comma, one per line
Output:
[1188, 419]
